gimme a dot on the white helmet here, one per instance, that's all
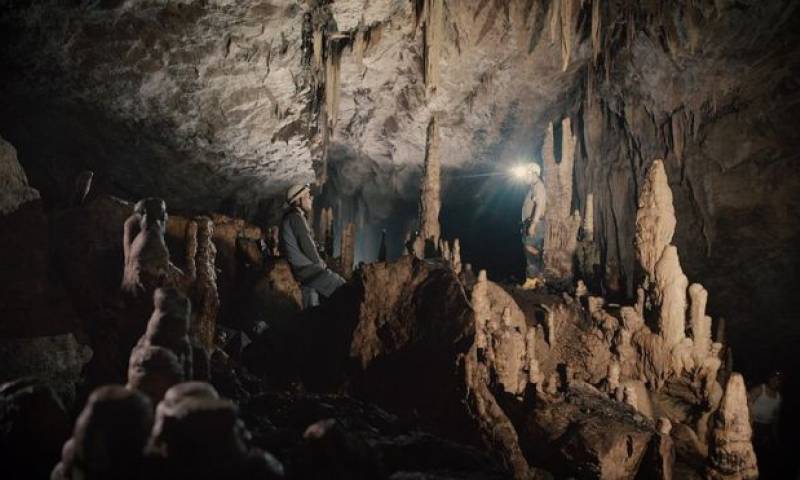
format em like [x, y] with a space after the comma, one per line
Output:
[294, 192]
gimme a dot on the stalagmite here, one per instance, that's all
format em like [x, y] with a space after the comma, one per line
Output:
[455, 257]
[205, 295]
[630, 397]
[430, 200]
[612, 379]
[655, 220]
[508, 347]
[348, 249]
[561, 226]
[709, 369]
[640, 301]
[444, 250]
[730, 451]
[660, 456]
[720, 336]
[535, 375]
[699, 321]
[325, 227]
[671, 286]
[480, 305]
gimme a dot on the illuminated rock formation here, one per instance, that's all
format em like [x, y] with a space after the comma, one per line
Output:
[153, 370]
[561, 225]
[731, 452]
[699, 322]
[168, 328]
[430, 201]
[455, 257]
[655, 220]
[671, 286]
[146, 256]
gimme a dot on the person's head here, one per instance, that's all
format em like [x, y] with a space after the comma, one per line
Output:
[775, 380]
[534, 171]
[300, 196]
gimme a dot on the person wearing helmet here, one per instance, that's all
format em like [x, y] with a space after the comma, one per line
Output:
[297, 245]
[532, 228]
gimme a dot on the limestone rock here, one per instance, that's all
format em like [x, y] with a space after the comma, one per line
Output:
[671, 286]
[14, 189]
[588, 436]
[57, 360]
[655, 219]
[731, 451]
[109, 436]
[196, 434]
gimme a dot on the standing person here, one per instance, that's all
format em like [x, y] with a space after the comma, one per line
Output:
[301, 251]
[765, 404]
[532, 228]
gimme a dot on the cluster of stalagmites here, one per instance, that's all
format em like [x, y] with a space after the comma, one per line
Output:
[193, 434]
[648, 367]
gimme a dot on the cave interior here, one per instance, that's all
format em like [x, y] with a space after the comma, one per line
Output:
[181, 346]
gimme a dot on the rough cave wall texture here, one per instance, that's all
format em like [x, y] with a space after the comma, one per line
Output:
[217, 105]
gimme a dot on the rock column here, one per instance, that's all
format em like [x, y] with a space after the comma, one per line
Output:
[430, 200]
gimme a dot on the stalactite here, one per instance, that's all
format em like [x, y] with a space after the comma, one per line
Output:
[597, 30]
[679, 135]
[433, 29]
[332, 89]
[430, 200]
[569, 12]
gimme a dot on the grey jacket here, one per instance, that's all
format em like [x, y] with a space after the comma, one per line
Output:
[297, 244]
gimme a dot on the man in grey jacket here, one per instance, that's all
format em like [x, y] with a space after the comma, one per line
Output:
[297, 244]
